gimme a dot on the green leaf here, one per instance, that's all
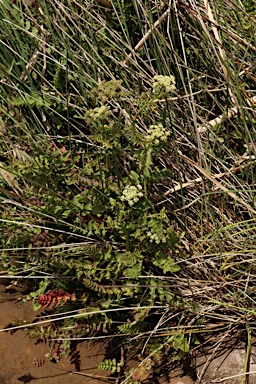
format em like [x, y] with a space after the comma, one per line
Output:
[34, 100]
[135, 177]
[88, 207]
[173, 238]
[65, 156]
[133, 272]
[78, 200]
[179, 342]
[4, 259]
[18, 101]
[66, 213]
[97, 208]
[36, 305]
[166, 264]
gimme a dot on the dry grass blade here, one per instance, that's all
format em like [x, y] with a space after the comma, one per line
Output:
[232, 112]
[10, 180]
[32, 62]
[147, 35]
[218, 184]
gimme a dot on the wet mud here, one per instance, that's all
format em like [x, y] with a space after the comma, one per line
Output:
[23, 360]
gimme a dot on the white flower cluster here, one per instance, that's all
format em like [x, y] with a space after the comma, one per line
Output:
[156, 134]
[154, 237]
[98, 113]
[164, 83]
[132, 194]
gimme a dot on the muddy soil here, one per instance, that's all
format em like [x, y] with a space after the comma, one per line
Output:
[22, 360]
[20, 355]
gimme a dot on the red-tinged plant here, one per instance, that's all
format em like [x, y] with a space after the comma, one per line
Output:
[38, 362]
[54, 298]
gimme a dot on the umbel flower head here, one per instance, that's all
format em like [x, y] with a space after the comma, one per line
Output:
[98, 113]
[132, 194]
[163, 84]
[156, 134]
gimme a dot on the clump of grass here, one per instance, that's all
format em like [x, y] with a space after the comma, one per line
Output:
[127, 164]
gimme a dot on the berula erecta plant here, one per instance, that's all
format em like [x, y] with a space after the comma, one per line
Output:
[127, 169]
